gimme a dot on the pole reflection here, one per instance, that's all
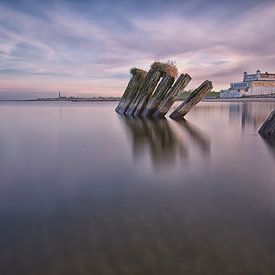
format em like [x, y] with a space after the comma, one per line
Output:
[165, 141]
[198, 136]
[270, 143]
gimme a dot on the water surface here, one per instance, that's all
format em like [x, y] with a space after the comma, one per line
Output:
[85, 191]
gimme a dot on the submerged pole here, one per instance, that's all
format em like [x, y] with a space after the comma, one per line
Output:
[268, 127]
[161, 90]
[150, 75]
[172, 95]
[195, 97]
[138, 76]
[146, 92]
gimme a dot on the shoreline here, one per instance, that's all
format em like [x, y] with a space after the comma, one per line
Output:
[240, 99]
[246, 99]
[53, 100]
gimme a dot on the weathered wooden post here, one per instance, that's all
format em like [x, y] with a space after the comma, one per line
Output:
[161, 90]
[134, 84]
[148, 86]
[166, 69]
[195, 97]
[172, 95]
[268, 128]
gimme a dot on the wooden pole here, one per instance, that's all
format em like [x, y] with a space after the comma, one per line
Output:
[148, 86]
[165, 69]
[146, 93]
[172, 95]
[195, 97]
[161, 90]
[138, 76]
[150, 75]
[268, 127]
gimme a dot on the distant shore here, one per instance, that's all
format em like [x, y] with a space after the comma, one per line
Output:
[63, 100]
[241, 99]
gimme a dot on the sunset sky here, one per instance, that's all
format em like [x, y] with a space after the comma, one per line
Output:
[88, 47]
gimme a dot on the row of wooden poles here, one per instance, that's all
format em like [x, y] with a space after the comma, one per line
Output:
[152, 93]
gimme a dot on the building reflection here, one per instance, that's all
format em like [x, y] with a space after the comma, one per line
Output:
[165, 141]
[252, 114]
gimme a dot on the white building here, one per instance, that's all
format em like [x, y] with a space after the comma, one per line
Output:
[252, 85]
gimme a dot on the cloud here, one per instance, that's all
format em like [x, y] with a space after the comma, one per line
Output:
[89, 46]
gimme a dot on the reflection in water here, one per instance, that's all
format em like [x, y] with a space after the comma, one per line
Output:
[200, 138]
[234, 111]
[253, 114]
[166, 142]
[270, 142]
[60, 114]
[73, 201]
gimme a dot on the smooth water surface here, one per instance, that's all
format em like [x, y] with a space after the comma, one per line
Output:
[85, 191]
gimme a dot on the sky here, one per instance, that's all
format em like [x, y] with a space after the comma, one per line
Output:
[87, 48]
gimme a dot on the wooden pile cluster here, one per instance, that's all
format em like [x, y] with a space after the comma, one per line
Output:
[152, 93]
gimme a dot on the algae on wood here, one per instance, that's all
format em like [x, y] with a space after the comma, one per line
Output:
[195, 97]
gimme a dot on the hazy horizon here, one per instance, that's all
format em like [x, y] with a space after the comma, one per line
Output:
[86, 48]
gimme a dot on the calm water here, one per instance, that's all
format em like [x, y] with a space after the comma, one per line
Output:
[85, 191]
